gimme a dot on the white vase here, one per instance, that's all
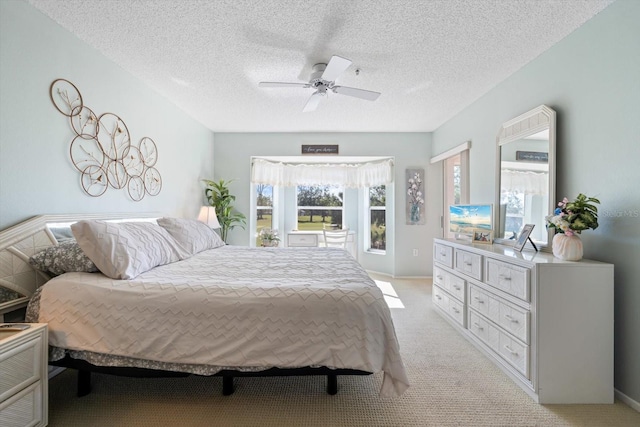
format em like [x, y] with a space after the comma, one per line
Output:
[568, 248]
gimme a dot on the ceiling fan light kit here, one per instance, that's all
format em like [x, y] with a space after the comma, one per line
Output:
[323, 77]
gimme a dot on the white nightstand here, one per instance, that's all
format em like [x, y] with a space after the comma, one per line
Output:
[24, 396]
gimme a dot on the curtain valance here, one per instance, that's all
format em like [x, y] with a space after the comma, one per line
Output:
[348, 175]
[526, 182]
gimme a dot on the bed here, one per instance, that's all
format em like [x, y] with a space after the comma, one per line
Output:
[207, 308]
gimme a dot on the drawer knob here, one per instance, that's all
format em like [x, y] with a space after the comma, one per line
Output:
[515, 353]
[443, 253]
[479, 300]
[438, 296]
[468, 263]
[439, 277]
[504, 277]
[455, 309]
[457, 288]
[511, 318]
[478, 326]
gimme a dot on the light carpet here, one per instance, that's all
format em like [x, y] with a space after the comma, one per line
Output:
[452, 384]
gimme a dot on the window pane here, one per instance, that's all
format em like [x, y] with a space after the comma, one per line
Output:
[318, 205]
[314, 218]
[377, 196]
[378, 229]
[264, 209]
[377, 218]
[456, 184]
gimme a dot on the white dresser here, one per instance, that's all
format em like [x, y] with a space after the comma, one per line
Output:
[547, 323]
[24, 377]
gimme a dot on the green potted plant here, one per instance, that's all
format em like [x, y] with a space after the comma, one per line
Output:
[570, 219]
[218, 196]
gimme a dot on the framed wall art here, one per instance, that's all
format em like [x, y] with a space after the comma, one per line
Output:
[415, 196]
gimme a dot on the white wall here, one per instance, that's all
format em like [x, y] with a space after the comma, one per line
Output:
[232, 161]
[592, 80]
[36, 174]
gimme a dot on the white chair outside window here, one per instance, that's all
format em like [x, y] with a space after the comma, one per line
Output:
[336, 238]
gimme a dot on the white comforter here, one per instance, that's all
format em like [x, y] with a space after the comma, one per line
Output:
[233, 306]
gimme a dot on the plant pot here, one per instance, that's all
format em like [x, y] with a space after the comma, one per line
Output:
[415, 212]
[568, 248]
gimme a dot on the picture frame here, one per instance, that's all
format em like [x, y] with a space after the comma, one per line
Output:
[322, 149]
[465, 219]
[415, 196]
[482, 236]
[524, 236]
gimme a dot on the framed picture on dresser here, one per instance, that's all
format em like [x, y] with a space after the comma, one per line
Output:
[524, 236]
[482, 236]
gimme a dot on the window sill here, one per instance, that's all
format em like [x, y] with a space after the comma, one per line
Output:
[376, 252]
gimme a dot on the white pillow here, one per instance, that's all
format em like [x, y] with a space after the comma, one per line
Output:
[192, 235]
[126, 249]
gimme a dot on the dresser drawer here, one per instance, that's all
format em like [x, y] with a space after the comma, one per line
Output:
[302, 240]
[20, 366]
[443, 254]
[509, 349]
[456, 286]
[438, 276]
[468, 263]
[457, 311]
[454, 308]
[516, 353]
[509, 278]
[513, 319]
[23, 409]
[440, 298]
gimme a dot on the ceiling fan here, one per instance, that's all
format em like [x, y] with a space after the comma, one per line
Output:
[323, 78]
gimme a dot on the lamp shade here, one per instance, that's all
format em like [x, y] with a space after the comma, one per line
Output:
[208, 216]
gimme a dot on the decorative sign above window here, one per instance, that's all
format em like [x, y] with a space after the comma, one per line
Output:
[532, 156]
[102, 150]
[319, 149]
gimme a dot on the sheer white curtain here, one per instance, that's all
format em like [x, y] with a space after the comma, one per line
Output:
[527, 182]
[348, 175]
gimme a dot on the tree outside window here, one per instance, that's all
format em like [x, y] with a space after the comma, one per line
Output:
[264, 208]
[377, 218]
[319, 205]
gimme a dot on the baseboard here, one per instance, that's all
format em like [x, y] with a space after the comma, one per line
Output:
[55, 370]
[626, 400]
[378, 273]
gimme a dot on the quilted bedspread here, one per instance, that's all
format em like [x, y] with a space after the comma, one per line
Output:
[233, 306]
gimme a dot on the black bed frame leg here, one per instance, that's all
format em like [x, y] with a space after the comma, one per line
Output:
[332, 384]
[227, 385]
[84, 383]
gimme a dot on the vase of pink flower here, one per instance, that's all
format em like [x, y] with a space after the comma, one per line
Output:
[569, 219]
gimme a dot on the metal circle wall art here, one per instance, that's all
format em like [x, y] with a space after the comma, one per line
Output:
[102, 150]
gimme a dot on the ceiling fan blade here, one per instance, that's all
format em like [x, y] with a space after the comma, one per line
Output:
[313, 102]
[281, 84]
[336, 66]
[358, 93]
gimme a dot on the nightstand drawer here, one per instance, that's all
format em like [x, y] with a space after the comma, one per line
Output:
[302, 240]
[20, 366]
[23, 409]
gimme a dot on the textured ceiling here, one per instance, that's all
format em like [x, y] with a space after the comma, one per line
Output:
[429, 58]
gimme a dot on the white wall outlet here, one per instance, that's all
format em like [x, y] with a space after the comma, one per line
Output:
[415, 252]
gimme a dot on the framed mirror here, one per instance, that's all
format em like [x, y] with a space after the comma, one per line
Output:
[526, 176]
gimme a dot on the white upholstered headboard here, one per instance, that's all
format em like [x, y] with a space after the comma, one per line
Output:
[19, 242]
